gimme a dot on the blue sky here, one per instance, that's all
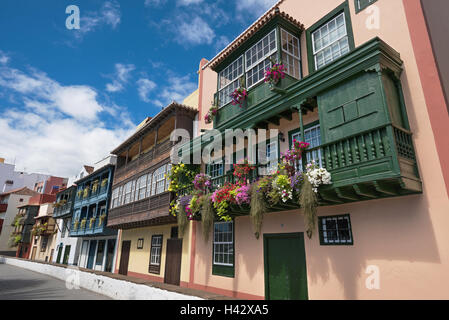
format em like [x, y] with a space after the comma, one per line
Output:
[68, 97]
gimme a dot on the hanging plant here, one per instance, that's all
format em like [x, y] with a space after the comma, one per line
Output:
[101, 220]
[239, 97]
[210, 115]
[242, 170]
[181, 176]
[91, 222]
[221, 200]
[95, 186]
[79, 193]
[83, 223]
[275, 73]
[258, 208]
[75, 226]
[207, 216]
[86, 192]
[104, 182]
[308, 202]
[202, 182]
[182, 214]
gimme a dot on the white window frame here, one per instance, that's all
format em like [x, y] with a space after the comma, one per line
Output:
[231, 82]
[149, 185]
[158, 180]
[325, 230]
[167, 180]
[291, 54]
[142, 183]
[156, 250]
[218, 243]
[258, 61]
[127, 192]
[315, 52]
[297, 136]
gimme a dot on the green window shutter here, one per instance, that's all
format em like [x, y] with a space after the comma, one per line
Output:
[362, 4]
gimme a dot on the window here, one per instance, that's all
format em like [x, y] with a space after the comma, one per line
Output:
[100, 252]
[229, 81]
[149, 180]
[257, 58]
[167, 180]
[133, 189]
[141, 187]
[362, 4]
[291, 54]
[114, 198]
[335, 230]
[155, 254]
[44, 244]
[224, 243]
[158, 181]
[312, 135]
[127, 192]
[120, 196]
[269, 156]
[330, 41]
[140, 243]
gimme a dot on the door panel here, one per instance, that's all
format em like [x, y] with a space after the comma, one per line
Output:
[285, 267]
[124, 257]
[92, 249]
[58, 259]
[173, 261]
[66, 255]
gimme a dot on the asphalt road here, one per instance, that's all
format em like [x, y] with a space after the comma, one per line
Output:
[21, 284]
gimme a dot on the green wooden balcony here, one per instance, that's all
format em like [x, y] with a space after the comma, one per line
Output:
[366, 140]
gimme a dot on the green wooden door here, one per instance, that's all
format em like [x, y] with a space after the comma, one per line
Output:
[66, 255]
[58, 259]
[285, 267]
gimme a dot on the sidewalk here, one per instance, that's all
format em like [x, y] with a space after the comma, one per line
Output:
[180, 292]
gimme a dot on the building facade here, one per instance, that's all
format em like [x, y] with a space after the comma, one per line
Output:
[150, 246]
[90, 216]
[43, 233]
[67, 248]
[10, 179]
[357, 90]
[9, 203]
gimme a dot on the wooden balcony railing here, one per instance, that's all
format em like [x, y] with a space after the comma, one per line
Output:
[143, 161]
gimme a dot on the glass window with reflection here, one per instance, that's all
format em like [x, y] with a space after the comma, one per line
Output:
[229, 81]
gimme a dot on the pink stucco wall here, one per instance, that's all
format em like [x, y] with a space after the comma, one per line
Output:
[405, 237]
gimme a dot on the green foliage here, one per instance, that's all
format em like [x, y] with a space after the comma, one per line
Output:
[181, 176]
[207, 216]
[182, 221]
[309, 203]
[258, 208]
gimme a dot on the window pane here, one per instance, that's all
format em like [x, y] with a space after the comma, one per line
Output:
[330, 41]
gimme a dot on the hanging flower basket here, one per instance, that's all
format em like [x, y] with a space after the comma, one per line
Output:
[210, 115]
[274, 74]
[239, 97]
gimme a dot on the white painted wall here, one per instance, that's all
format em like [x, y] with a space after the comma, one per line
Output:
[20, 179]
[8, 216]
[113, 288]
[74, 243]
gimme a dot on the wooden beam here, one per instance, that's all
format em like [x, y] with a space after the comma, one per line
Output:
[274, 120]
[328, 197]
[346, 194]
[385, 188]
[365, 191]
[287, 115]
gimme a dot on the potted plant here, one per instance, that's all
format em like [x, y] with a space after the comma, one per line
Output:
[239, 95]
[76, 224]
[274, 74]
[86, 192]
[83, 223]
[210, 115]
[101, 220]
[91, 222]
[95, 186]
[104, 182]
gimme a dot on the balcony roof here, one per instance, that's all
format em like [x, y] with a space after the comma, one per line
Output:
[152, 123]
[248, 33]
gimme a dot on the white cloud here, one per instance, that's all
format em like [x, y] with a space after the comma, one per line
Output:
[4, 59]
[155, 3]
[188, 2]
[58, 129]
[178, 88]
[144, 88]
[194, 32]
[254, 8]
[109, 14]
[121, 77]
[221, 43]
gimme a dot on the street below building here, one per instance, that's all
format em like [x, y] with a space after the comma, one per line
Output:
[21, 284]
